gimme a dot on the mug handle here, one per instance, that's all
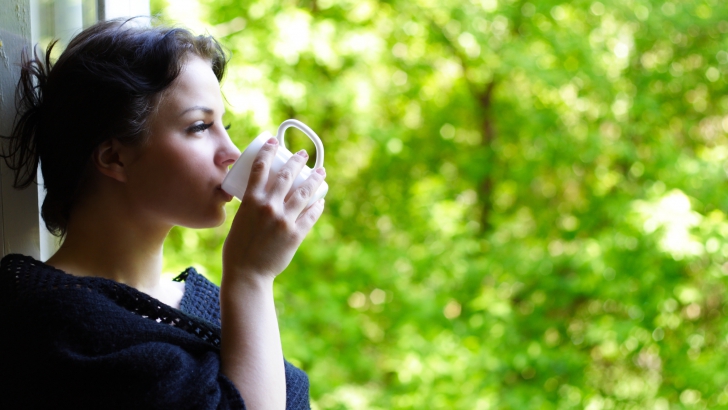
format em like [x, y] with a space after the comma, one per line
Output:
[309, 132]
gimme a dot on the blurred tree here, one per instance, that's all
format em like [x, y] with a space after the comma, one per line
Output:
[526, 205]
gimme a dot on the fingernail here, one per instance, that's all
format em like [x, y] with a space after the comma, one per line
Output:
[321, 171]
[302, 153]
[272, 141]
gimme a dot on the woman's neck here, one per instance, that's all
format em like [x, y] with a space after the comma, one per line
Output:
[104, 243]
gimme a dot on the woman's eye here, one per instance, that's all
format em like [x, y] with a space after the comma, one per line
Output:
[227, 127]
[199, 127]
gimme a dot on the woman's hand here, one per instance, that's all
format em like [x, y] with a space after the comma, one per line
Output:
[271, 224]
[266, 231]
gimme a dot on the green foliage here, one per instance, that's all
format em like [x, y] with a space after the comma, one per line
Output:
[526, 204]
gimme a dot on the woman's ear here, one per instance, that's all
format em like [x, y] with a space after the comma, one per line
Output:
[108, 159]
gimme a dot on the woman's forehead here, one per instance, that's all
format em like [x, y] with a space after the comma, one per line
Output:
[195, 89]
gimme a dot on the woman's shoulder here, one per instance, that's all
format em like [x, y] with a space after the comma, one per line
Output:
[41, 296]
[15, 262]
[25, 274]
[35, 289]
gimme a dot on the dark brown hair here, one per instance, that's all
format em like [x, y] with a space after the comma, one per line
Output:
[104, 85]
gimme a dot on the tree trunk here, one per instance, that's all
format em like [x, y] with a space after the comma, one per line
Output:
[488, 132]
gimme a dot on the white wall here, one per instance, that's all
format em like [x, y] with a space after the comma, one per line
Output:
[19, 225]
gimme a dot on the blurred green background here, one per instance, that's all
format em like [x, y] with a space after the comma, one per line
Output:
[526, 206]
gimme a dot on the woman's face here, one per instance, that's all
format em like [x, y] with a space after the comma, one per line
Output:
[175, 177]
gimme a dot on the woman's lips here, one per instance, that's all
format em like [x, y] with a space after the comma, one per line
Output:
[227, 196]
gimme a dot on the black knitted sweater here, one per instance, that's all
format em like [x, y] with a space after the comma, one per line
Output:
[71, 342]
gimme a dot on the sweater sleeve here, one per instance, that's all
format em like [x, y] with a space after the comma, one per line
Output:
[150, 375]
[170, 378]
[202, 299]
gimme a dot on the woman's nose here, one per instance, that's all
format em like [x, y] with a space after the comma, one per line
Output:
[228, 152]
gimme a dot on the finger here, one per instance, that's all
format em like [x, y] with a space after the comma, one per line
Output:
[288, 173]
[298, 199]
[308, 218]
[261, 166]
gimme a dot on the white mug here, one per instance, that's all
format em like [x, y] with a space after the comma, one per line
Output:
[236, 180]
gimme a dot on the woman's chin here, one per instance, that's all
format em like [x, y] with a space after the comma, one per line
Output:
[213, 220]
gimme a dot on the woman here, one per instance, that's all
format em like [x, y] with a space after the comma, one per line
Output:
[127, 126]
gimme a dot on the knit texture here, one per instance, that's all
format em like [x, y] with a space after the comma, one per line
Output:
[201, 297]
[89, 342]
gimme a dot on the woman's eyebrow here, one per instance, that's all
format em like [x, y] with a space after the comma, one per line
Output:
[207, 110]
